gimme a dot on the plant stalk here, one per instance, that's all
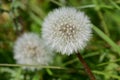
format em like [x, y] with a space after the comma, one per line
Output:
[86, 67]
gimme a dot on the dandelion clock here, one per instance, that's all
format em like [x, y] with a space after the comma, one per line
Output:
[66, 30]
[30, 49]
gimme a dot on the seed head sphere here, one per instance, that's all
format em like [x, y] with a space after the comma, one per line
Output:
[66, 30]
[30, 49]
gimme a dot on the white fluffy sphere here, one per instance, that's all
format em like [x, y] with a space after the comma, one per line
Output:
[66, 30]
[30, 49]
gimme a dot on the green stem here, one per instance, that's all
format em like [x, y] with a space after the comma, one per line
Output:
[114, 46]
[21, 65]
[104, 25]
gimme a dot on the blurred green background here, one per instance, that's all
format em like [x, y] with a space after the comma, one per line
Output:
[102, 53]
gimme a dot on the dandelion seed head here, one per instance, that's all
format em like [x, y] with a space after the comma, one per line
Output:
[30, 49]
[66, 30]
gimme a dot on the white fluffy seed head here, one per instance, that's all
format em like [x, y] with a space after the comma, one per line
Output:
[30, 49]
[66, 30]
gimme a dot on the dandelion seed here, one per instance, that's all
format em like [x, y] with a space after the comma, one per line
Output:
[30, 49]
[66, 30]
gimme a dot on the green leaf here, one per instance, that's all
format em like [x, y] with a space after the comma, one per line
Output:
[114, 46]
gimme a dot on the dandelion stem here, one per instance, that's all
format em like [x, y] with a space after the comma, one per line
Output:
[87, 69]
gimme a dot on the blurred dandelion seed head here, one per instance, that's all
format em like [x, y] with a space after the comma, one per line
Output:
[30, 49]
[66, 30]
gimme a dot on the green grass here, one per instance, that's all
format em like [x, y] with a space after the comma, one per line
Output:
[102, 53]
